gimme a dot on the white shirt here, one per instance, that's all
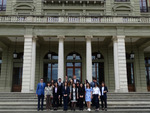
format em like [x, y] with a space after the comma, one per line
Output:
[55, 89]
[102, 90]
[75, 81]
[59, 83]
[96, 91]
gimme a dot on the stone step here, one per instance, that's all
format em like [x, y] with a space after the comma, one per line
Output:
[109, 100]
[116, 101]
[109, 97]
[109, 107]
[109, 93]
[77, 111]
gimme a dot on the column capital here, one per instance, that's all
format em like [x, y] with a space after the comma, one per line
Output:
[61, 37]
[34, 37]
[116, 37]
[88, 36]
[28, 36]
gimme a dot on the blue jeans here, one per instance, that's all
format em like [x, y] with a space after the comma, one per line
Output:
[40, 97]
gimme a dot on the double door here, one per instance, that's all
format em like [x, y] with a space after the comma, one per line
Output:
[17, 77]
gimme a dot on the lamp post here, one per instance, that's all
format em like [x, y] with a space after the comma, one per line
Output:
[74, 53]
[132, 53]
[49, 55]
[15, 53]
[98, 54]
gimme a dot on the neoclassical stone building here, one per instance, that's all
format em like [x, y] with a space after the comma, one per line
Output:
[106, 39]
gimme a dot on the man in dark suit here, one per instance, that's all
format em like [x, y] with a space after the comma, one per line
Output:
[40, 93]
[60, 87]
[66, 79]
[94, 82]
[103, 90]
[75, 80]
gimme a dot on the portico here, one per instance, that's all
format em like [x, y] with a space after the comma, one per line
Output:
[86, 41]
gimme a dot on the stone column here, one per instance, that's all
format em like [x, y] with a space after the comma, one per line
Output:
[141, 71]
[61, 57]
[4, 69]
[88, 58]
[28, 64]
[32, 82]
[120, 64]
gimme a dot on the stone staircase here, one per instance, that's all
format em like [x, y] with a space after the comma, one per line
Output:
[126, 102]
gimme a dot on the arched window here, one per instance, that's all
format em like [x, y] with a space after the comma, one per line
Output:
[130, 73]
[70, 56]
[50, 67]
[74, 65]
[54, 56]
[98, 67]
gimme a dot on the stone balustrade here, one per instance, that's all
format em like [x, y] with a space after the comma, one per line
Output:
[67, 19]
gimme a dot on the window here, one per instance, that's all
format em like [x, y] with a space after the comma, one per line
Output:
[143, 6]
[3, 5]
[74, 66]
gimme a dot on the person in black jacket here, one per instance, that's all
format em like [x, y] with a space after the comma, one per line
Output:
[103, 90]
[73, 97]
[56, 96]
[81, 93]
[75, 80]
[60, 86]
[65, 93]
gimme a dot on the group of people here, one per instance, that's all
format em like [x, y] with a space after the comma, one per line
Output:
[73, 93]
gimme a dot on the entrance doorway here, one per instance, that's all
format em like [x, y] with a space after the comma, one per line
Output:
[98, 67]
[17, 73]
[98, 71]
[130, 73]
[17, 79]
[50, 68]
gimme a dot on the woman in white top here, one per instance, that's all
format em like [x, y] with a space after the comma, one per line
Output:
[73, 96]
[48, 96]
[96, 96]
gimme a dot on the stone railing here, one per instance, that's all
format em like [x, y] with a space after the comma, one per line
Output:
[24, 0]
[51, 19]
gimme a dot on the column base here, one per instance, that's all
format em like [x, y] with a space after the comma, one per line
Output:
[123, 90]
[28, 91]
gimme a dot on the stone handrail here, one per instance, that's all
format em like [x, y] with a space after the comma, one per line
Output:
[67, 19]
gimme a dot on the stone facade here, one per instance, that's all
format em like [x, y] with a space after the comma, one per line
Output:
[33, 22]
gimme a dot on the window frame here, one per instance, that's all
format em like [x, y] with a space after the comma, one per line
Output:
[142, 7]
[3, 5]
